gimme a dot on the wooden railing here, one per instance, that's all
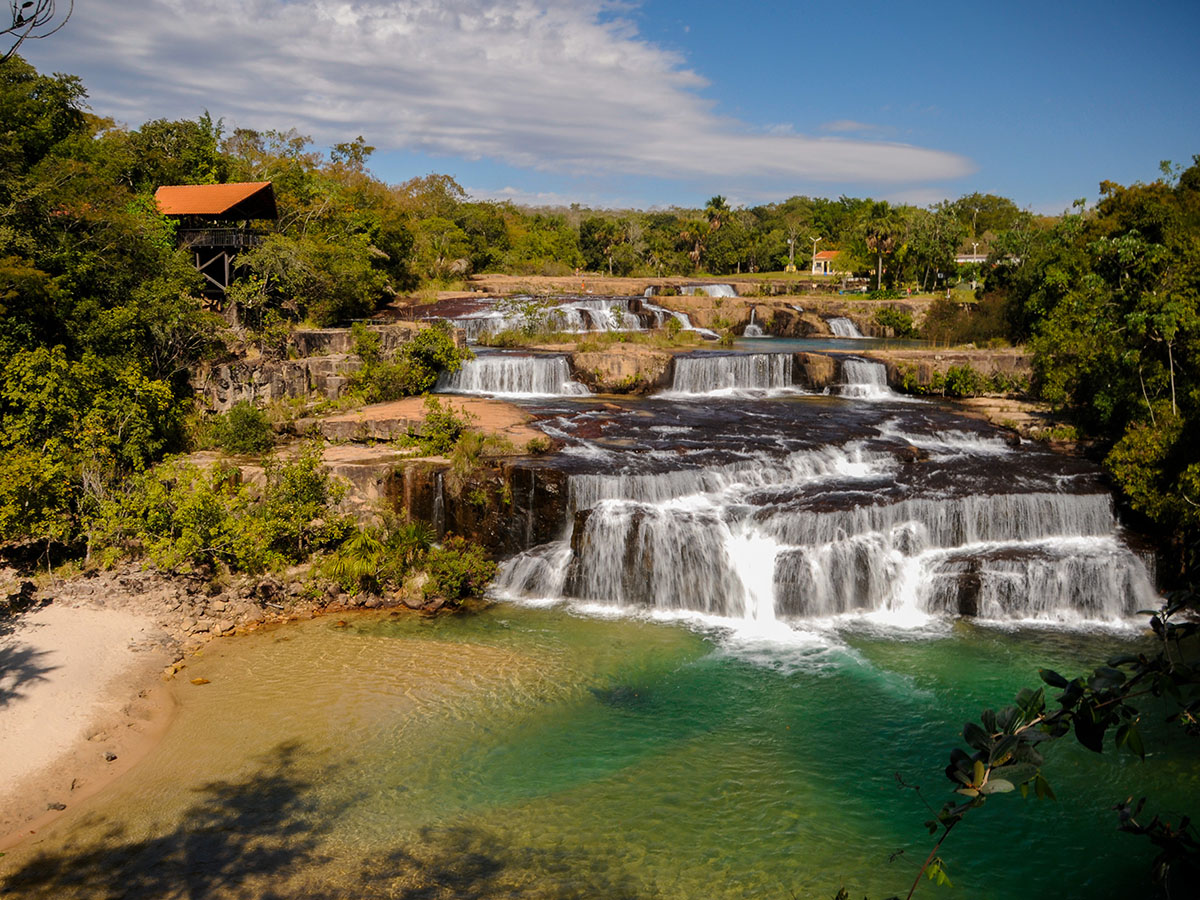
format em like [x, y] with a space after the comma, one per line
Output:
[219, 237]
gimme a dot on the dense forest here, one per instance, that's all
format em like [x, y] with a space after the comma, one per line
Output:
[99, 321]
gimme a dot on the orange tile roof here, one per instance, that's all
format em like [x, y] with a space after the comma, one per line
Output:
[827, 254]
[213, 199]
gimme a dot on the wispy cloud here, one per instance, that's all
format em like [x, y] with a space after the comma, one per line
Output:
[558, 85]
[531, 197]
[921, 196]
[850, 126]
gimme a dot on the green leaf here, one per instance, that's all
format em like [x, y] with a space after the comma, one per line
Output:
[975, 736]
[997, 786]
[1089, 732]
[978, 772]
[1105, 678]
[1004, 749]
[1134, 741]
[1042, 788]
[1052, 678]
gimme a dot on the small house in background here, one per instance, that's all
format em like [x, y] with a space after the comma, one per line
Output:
[825, 263]
[967, 259]
[215, 224]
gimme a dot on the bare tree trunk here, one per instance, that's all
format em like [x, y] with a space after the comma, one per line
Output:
[1146, 396]
[1171, 367]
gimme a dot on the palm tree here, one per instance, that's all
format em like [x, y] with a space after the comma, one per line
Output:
[879, 233]
[695, 234]
[717, 212]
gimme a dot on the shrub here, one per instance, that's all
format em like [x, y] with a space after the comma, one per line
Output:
[964, 381]
[184, 518]
[899, 320]
[961, 381]
[955, 323]
[442, 427]
[414, 369]
[470, 450]
[457, 569]
[373, 558]
[244, 429]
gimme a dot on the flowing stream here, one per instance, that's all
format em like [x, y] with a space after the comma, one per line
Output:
[764, 619]
[512, 375]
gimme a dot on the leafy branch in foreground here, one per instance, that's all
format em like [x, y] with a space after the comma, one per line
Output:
[1007, 752]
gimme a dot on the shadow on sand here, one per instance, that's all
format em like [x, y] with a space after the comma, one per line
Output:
[19, 664]
[263, 837]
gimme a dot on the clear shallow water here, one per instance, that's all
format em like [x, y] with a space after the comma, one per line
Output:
[536, 752]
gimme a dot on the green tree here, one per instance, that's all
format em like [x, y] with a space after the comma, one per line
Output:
[599, 239]
[442, 247]
[880, 233]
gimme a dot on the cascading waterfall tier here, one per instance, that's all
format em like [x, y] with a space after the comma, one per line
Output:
[843, 327]
[953, 522]
[573, 315]
[516, 375]
[662, 316]
[732, 372]
[864, 380]
[753, 329]
[711, 290]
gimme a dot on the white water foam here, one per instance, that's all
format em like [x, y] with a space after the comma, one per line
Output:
[733, 374]
[843, 327]
[711, 290]
[863, 379]
[507, 375]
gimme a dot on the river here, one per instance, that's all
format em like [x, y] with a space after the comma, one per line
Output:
[764, 621]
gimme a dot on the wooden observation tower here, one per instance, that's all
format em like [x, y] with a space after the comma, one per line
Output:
[214, 224]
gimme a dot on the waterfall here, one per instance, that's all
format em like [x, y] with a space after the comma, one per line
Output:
[802, 467]
[575, 315]
[864, 379]
[1060, 579]
[711, 290]
[584, 315]
[818, 533]
[477, 325]
[844, 328]
[662, 315]
[732, 372]
[753, 329]
[511, 375]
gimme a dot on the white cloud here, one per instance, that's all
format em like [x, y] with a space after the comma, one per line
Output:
[921, 196]
[557, 85]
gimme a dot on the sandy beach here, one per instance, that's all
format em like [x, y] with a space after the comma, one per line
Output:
[81, 701]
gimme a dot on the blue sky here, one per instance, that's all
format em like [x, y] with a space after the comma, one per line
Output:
[664, 102]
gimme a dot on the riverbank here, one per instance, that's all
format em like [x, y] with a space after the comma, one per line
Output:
[84, 674]
[81, 702]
